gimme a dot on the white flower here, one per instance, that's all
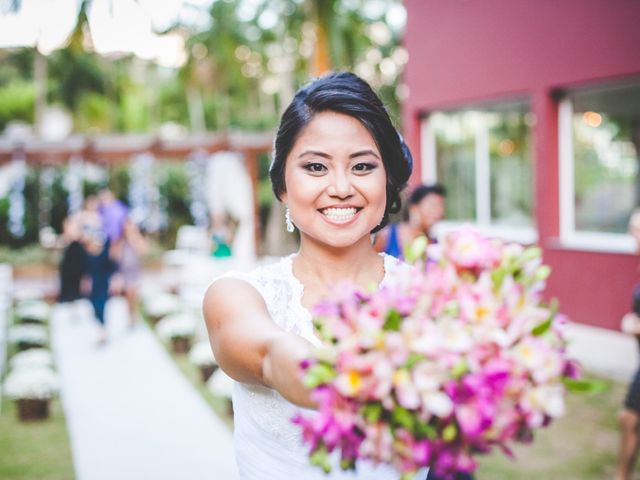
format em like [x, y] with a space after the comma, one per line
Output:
[438, 403]
[221, 384]
[36, 383]
[32, 358]
[548, 399]
[456, 338]
[161, 304]
[201, 354]
[35, 334]
[177, 325]
[33, 310]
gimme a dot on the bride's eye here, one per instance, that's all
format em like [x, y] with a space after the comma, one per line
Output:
[315, 167]
[363, 167]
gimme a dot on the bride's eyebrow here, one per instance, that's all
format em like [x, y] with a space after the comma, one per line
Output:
[364, 153]
[314, 153]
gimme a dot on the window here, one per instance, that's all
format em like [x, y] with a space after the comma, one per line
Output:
[483, 157]
[599, 131]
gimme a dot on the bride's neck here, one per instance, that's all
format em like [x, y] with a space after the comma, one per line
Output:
[358, 264]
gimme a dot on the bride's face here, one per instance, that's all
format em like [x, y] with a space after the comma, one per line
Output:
[335, 181]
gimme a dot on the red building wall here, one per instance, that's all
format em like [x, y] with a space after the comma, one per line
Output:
[465, 51]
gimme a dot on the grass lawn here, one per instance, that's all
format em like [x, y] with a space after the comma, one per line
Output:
[34, 450]
[582, 445]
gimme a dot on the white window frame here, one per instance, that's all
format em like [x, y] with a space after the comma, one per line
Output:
[570, 238]
[524, 235]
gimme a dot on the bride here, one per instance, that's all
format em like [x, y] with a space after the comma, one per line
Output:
[339, 168]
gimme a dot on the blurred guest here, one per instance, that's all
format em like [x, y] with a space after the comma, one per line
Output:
[127, 252]
[630, 414]
[221, 235]
[99, 265]
[73, 264]
[425, 207]
[113, 213]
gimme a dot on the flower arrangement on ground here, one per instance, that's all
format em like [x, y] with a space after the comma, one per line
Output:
[202, 357]
[28, 336]
[32, 388]
[159, 305]
[451, 357]
[221, 385]
[32, 359]
[178, 329]
[32, 311]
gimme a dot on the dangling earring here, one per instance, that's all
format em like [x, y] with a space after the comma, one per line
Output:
[287, 219]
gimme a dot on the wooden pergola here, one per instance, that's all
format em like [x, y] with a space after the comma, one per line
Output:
[108, 150]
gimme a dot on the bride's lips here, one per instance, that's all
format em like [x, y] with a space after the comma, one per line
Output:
[340, 215]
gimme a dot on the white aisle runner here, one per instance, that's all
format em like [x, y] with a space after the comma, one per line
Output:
[131, 413]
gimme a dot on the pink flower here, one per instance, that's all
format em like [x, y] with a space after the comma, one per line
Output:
[468, 249]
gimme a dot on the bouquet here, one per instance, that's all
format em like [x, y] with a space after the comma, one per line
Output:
[451, 357]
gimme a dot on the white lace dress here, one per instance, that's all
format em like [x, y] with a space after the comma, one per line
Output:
[267, 445]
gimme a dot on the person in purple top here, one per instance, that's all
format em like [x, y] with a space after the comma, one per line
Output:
[114, 214]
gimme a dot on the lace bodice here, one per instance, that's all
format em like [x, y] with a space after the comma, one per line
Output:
[268, 446]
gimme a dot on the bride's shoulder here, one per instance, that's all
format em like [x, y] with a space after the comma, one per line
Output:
[269, 271]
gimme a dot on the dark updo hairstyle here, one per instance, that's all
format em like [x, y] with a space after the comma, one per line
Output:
[348, 94]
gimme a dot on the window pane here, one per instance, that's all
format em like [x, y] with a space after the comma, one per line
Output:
[455, 143]
[606, 142]
[507, 161]
[510, 160]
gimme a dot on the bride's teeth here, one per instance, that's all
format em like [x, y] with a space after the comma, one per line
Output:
[339, 213]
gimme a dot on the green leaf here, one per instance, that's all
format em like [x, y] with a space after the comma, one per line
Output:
[403, 417]
[585, 385]
[320, 458]
[393, 321]
[531, 253]
[451, 309]
[347, 464]
[542, 328]
[425, 430]
[371, 412]
[449, 433]
[318, 374]
[413, 359]
[546, 325]
[542, 273]
[497, 276]
[416, 250]
[459, 369]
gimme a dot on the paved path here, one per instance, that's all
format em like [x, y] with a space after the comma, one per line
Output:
[605, 352]
[131, 413]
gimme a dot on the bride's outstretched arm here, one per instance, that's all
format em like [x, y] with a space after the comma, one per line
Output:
[249, 346]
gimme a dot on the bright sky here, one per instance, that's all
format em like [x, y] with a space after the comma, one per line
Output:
[117, 26]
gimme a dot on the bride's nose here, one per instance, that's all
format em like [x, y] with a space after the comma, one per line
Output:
[340, 185]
